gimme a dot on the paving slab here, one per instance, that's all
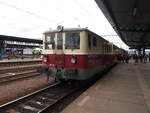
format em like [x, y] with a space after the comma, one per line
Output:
[125, 89]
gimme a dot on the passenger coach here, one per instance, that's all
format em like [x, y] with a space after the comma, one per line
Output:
[76, 54]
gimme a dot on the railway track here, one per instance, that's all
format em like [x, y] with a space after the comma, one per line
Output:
[39, 101]
[18, 68]
[18, 72]
[18, 63]
[7, 77]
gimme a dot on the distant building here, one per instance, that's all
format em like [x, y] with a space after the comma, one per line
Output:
[16, 45]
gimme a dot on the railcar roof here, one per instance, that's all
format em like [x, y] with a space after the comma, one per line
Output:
[76, 30]
[72, 30]
[66, 30]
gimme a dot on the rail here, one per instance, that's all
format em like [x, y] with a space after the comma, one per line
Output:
[18, 68]
[7, 77]
[8, 63]
[38, 101]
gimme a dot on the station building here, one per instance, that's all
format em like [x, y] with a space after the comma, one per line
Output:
[17, 45]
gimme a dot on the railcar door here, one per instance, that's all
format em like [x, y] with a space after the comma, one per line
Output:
[60, 57]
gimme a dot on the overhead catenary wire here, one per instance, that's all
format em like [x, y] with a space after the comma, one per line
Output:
[25, 11]
[41, 17]
[81, 7]
[14, 19]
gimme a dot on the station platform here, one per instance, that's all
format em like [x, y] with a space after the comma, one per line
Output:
[125, 89]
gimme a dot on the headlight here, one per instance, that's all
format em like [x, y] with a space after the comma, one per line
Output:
[74, 60]
[45, 59]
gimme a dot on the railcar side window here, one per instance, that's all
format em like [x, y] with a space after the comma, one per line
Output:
[89, 41]
[59, 41]
[72, 41]
[94, 43]
[50, 41]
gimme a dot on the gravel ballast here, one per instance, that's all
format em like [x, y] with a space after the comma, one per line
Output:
[15, 89]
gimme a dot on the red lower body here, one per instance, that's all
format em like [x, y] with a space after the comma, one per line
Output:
[84, 67]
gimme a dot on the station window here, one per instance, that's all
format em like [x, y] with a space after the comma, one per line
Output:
[72, 41]
[50, 41]
[59, 41]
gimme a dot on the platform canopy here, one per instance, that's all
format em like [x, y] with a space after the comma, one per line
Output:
[20, 39]
[130, 19]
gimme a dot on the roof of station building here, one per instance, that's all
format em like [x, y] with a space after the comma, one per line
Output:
[20, 39]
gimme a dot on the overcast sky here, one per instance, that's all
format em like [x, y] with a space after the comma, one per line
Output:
[30, 18]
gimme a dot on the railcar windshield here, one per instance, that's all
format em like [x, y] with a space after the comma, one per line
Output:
[59, 41]
[72, 41]
[50, 41]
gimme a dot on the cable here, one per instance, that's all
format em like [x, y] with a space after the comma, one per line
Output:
[81, 7]
[28, 12]
[57, 8]
[13, 19]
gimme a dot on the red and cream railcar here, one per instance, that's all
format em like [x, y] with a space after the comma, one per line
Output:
[76, 54]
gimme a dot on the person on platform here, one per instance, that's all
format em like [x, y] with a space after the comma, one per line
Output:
[145, 58]
[149, 57]
[141, 58]
[135, 57]
[126, 57]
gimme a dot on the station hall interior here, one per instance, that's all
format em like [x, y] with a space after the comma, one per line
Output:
[60, 58]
